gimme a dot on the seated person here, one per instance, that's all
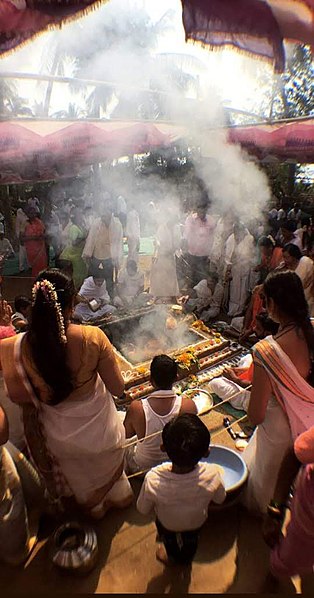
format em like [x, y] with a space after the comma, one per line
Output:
[150, 415]
[205, 298]
[212, 309]
[179, 492]
[22, 306]
[235, 381]
[198, 297]
[130, 285]
[94, 300]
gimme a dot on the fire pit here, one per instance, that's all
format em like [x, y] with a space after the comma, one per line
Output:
[137, 337]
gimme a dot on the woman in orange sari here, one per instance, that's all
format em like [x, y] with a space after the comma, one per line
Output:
[33, 239]
[63, 375]
[271, 258]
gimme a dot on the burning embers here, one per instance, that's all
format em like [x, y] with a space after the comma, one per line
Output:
[139, 339]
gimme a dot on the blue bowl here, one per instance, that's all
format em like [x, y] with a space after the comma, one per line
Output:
[235, 469]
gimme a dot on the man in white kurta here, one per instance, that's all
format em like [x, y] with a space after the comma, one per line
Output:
[20, 223]
[103, 249]
[163, 280]
[239, 259]
[133, 234]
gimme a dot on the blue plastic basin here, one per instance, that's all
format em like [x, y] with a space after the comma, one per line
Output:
[235, 469]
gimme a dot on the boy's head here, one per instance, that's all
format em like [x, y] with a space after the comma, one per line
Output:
[264, 326]
[23, 305]
[163, 372]
[131, 267]
[186, 440]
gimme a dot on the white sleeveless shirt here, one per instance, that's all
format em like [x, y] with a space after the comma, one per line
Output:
[148, 452]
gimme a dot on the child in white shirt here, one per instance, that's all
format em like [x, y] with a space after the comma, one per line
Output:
[180, 491]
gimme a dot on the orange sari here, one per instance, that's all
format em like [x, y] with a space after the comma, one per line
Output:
[35, 248]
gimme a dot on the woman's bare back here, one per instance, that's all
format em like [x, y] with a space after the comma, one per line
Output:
[293, 343]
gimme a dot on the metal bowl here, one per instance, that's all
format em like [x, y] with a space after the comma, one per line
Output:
[202, 398]
[74, 548]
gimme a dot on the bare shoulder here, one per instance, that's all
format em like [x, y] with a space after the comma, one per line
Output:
[188, 406]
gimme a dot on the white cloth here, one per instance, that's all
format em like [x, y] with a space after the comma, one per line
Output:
[94, 240]
[199, 234]
[148, 452]
[6, 248]
[226, 389]
[241, 257]
[133, 228]
[130, 285]
[305, 270]
[18, 316]
[121, 205]
[89, 290]
[180, 501]
[163, 281]
[85, 436]
[14, 415]
[20, 222]
[263, 456]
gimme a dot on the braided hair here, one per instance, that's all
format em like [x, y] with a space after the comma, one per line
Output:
[53, 294]
[286, 290]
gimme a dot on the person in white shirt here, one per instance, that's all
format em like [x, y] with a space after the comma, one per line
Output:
[20, 223]
[94, 300]
[103, 249]
[213, 306]
[295, 213]
[179, 492]
[130, 284]
[121, 210]
[6, 249]
[288, 234]
[133, 233]
[20, 318]
[198, 239]
[239, 258]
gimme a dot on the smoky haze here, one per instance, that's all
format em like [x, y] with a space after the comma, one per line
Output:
[118, 44]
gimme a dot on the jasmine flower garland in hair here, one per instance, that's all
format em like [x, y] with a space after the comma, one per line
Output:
[50, 294]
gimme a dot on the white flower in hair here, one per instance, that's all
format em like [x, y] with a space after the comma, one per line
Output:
[50, 294]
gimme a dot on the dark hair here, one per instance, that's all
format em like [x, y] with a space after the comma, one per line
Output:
[267, 323]
[286, 290]
[293, 250]
[163, 371]
[289, 225]
[21, 302]
[132, 264]
[186, 440]
[266, 242]
[48, 350]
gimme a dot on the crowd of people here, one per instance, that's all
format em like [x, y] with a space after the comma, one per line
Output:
[61, 376]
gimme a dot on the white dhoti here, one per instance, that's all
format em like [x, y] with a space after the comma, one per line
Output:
[163, 282]
[133, 248]
[83, 312]
[264, 455]
[226, 389]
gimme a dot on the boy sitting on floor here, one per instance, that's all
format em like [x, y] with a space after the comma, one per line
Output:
[180, 492]
[150, 415]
